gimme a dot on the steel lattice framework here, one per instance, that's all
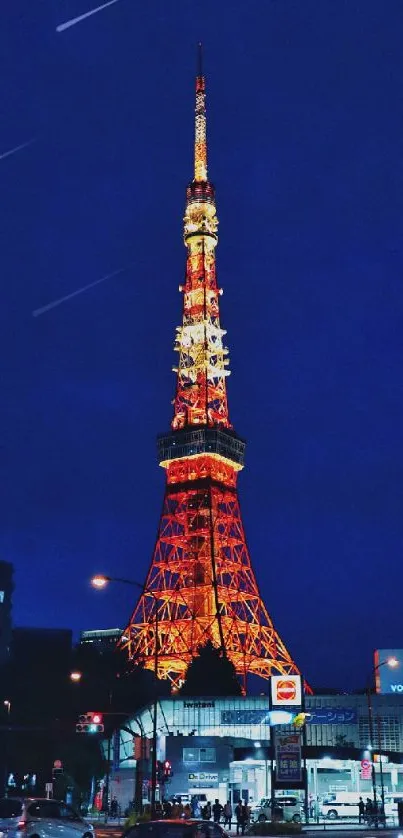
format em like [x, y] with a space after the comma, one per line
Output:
[201, 585]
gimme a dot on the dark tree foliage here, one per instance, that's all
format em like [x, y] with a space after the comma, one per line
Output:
[211, 673]
[45, 706]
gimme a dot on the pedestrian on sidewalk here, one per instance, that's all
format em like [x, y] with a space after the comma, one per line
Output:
[238, 815]
[217, 810]
[228, 814]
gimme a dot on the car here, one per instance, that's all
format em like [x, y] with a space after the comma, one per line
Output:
[37, 817]
[289, 804]
[340, 809]
[176, 828]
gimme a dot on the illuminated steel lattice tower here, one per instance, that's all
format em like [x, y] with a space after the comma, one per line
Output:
[201, 585]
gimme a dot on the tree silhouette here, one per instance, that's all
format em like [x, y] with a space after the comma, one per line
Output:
[211, 673]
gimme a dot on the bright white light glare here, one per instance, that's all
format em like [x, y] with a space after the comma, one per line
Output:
[280, 717]
[257, 744]
[99, 581]
[392, 662]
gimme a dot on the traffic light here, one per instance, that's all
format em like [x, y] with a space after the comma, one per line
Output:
[167, 770]
[90, 723]
[164, 771]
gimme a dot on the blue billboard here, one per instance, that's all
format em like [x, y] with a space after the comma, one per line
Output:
[388, 668]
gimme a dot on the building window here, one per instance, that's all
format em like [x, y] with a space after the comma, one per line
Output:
[207, 755]
[386, 733]
[191, 755]
[199, 755]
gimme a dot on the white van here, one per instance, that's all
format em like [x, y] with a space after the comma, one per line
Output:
[343, 804]
[288, 803]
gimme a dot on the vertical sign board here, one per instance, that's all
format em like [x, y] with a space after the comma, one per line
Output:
[366, 769]
[288, 760]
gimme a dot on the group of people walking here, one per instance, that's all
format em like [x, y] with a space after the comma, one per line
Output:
[370, 812]
[241, 812]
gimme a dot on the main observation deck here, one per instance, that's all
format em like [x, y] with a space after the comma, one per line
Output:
[187, 442]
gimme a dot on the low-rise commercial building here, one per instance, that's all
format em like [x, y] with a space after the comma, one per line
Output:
[223, 747]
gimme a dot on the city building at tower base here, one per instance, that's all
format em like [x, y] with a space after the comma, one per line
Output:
[223, 747]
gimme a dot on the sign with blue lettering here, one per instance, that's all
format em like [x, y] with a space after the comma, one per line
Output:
[245, 717]
[332, 716]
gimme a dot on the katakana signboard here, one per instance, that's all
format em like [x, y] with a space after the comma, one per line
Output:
[332, 716]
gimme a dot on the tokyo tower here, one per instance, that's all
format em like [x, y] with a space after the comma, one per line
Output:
[200, 585]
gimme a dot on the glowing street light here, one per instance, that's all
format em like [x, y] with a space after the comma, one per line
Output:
[100, 581]
[76, 676]
[7, 704]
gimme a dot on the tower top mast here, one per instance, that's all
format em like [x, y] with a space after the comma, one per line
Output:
[200, 173]
[200, 59]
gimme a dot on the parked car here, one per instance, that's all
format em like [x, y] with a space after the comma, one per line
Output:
[341, 805]
[36, 817]
[176, 829]
[289, 804]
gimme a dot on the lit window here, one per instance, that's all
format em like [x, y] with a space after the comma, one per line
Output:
[1, 596]
[207, 755]
[191, 755]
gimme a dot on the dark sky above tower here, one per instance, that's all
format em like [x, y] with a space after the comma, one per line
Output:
[304, 128]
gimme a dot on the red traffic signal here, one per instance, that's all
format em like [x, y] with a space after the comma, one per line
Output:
[90, 723]
[167, 769]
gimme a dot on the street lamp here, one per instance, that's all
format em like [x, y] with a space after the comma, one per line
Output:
[75, 677]
[100, 581]
[392, 662]
[7, 704]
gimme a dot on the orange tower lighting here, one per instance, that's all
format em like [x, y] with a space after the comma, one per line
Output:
[200, 585]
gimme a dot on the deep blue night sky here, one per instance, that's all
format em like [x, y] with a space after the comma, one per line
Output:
[305, 132]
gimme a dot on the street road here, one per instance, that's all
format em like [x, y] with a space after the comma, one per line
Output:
[103, 830]
[347, 831]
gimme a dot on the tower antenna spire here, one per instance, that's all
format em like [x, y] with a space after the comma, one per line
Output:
[200, 173]
[200, 59]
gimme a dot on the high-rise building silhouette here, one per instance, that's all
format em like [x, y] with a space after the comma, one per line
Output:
[200, 585]
[6, 593]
